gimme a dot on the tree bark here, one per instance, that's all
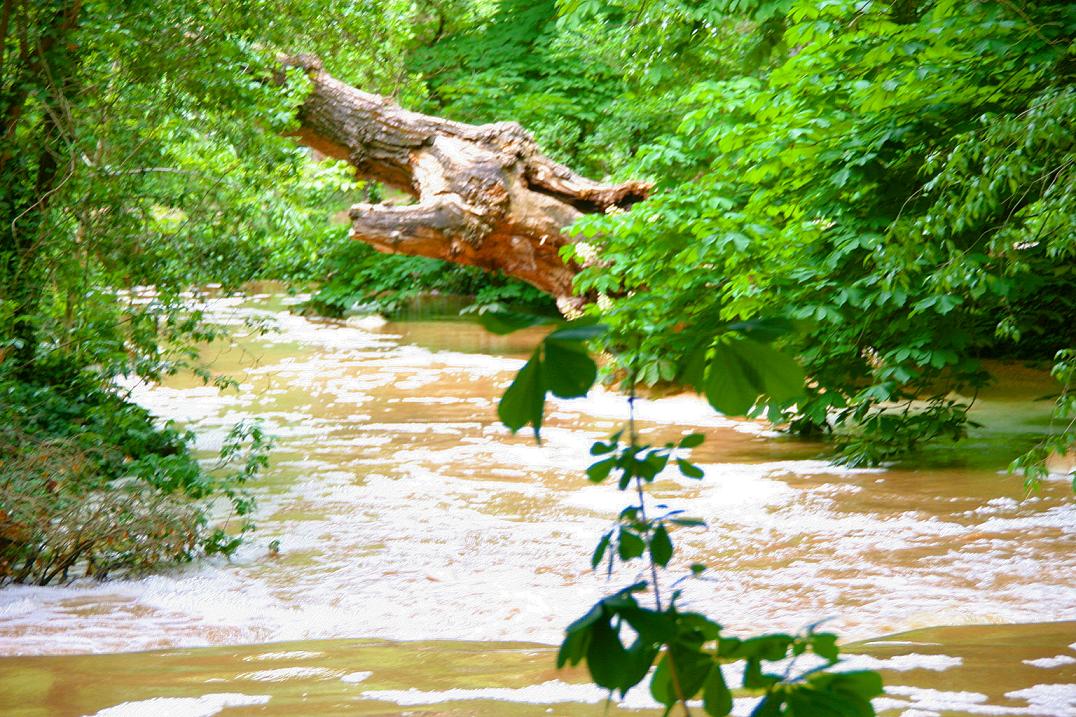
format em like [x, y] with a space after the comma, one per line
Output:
[485, 194]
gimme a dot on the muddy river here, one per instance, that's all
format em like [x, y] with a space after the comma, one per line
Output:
[428, 559]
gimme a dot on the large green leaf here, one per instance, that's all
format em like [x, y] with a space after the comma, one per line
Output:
[607, 659]
[740, 371]
[522, 403]
[661, 684]
[577, 637]
[692, 667]
[661, 547]
[639, 659]
[864, 684]
[763, 329]
[567, 371]
[630, 545]
[716, 696]
[731, 387]
[506, 322]
[803, 701]
[782, 378]
[582, 329]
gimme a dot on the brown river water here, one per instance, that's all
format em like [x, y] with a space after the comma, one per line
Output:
[429, 559]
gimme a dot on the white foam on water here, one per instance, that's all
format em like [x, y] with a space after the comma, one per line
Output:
[1048, 662]
[289, 673]
[204, 706]
[1051, 700]
[421, 517]
[1048, 699]
[901, 663]
[551, 692]
[284, 655]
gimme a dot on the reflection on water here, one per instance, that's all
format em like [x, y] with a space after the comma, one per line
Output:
[404, 511]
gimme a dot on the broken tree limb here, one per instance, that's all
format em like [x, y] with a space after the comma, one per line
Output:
[485, 194]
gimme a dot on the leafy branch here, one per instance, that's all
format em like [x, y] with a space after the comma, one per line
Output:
[620, 639]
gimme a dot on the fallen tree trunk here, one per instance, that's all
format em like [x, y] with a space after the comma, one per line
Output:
[485, 194]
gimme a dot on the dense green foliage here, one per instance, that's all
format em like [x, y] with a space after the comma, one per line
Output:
[897, 178]
[518, 63]
[894, 177]
[88, 482]
[142, 145]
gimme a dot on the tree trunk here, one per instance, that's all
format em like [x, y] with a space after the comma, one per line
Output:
[485, 195]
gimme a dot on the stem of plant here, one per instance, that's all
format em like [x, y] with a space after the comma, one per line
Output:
[634, 438]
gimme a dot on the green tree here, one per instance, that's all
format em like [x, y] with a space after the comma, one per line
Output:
[894, 177]
[143, 145]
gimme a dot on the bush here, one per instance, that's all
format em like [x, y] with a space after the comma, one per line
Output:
[90, 486]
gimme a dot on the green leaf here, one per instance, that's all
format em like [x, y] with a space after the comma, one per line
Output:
[770, 706]
[754, 678]
[706, 629]
[692, 440]
[693, 371]
[651, 465]
[742, 370]
[573, 648]
[524, 400]
[599, 471]
[782, 378]
[599, 448]
[506, 322]
[864, 684]
[824, 644]
[567, 370]
[661, 547]
[590, 618]
[599, 552]
[639, 659]
[607, 659]
[763, 329]
[767, 647]
[731, 387]
[690, 470]
[630, 545]
[692, 667]
[661, 685]
[804, 700]
[716, 696]
[579, 330]
[653, 626]
[577, 637]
